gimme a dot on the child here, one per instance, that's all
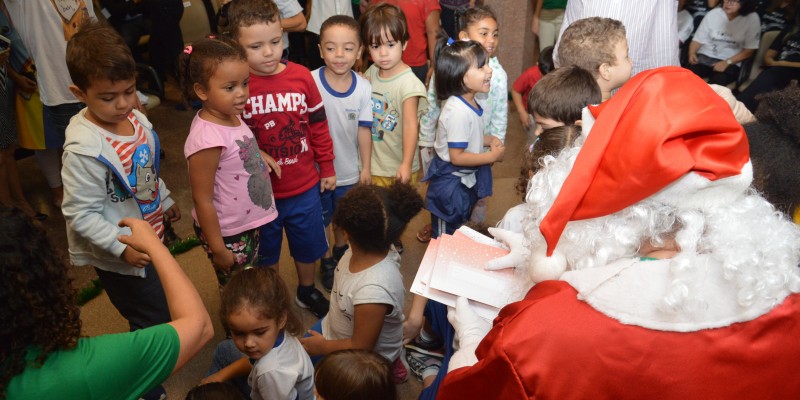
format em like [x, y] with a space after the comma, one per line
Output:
[348, 106]
[560, 96]
[398, 97]
[111, 171]
[230, 182]
[285, 113]
[599, 46]
[354, 374]
[367, 298]
[264, 345]
[523, 85]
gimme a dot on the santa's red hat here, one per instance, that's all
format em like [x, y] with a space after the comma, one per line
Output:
[665, 135]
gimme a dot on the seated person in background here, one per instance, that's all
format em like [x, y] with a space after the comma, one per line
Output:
[727, 36]
[782, 64]
[699, 8]
[43, 351]
[778, 15]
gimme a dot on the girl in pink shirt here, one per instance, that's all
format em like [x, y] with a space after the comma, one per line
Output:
[229, 175]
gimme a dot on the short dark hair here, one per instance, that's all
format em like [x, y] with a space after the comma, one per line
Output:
[589, 43]
[383, 17]
[97, 51]
[453, 62]
[341, 20]
[355, 374]
[562, 94]
[244, 13]
[469, 16]
[546, 60]
[198, 62]
[549, 143]
[264, 291]
[747, 6]
[374, 217]
[215, 391]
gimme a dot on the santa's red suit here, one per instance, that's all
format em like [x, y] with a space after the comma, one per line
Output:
[555, 345]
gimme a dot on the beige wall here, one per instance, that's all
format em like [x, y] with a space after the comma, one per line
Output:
[517, 43]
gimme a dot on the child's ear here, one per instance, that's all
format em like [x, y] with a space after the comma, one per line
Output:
[578, 122]
[604, 71]
[200, 91]
[404, 45]
[282, 322]
[319, 47]
[78, 93]
[463, 36]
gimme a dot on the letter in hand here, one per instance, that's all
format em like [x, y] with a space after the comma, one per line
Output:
[518, 255]
[140, 242]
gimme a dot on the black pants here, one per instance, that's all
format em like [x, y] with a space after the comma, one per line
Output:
[705, 69]
[140, 300]
[773, 78]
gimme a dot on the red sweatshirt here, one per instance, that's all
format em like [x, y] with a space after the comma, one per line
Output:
[286, 115]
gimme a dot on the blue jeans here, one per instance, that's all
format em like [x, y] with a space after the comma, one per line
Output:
[226, 354]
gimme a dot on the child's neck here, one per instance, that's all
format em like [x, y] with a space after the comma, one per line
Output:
[122, 128]
[361, 260]
[219, 118]
[469, 97]
[393, 71]
[339, 82]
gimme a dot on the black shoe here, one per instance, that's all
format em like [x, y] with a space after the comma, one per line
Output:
[338, 252]
[314, 301]
[327, 266]
[161, 154]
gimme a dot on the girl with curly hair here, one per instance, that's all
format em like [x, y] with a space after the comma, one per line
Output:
[366, 310]
[40, 325]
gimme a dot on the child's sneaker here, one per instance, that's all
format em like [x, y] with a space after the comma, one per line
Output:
[422, 365]
[399, 370]
[327, 266]
[433, 348]
[314, 301]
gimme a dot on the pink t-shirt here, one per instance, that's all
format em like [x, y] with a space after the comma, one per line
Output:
[242, 189]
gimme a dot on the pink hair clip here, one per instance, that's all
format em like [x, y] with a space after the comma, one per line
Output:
[188, 49]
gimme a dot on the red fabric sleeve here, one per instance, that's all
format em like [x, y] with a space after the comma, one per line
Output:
[320, 140]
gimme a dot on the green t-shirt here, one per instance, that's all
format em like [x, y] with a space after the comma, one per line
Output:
[554, 4]
[114, 367]
[387, 118]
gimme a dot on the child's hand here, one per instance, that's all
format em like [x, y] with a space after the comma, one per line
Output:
[328, 183]
[140, 242]
[525, 119]
[314, 343]
[174, 213]
[272, 166]
[223, 260]
[215, 377]
[411, 328]
[365, 178]
[403, 174]
[498, 149]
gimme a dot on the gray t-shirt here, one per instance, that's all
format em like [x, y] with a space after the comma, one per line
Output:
[378, 284]
[346, 112]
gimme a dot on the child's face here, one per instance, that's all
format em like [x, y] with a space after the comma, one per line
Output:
[264, 46]
[484, 32]
[543, 123]
[388, 55]
[226, 92]
[339, 46]
[620, 72]
[478, 79]
[252, 334]
[108, 103]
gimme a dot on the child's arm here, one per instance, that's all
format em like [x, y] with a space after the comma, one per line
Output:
[367, 324]
[202, 172]
[410, 137]
[499, 102]
[189, 316]
[427, 124]
[460, 158]
[365, 151]
[524, 117]
[413, 323]
[238, 368]
[320, 138]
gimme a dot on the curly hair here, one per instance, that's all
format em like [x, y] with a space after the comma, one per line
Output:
[549, 143]
[775, 147]
[245, 13]
[375, 216]
[198, 62]
[261, 289]
[39, 309]
[589, 43]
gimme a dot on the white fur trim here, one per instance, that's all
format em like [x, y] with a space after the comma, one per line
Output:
[694, 191]
[632, 292]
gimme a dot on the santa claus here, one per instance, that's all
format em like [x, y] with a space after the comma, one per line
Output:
[658, 272]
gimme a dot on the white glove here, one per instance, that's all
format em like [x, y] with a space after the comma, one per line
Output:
[470, 330]
[518, 255]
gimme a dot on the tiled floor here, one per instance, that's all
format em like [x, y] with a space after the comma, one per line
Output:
[100, 317]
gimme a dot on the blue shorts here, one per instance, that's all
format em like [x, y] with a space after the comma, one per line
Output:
[329, 198]
[301, 215]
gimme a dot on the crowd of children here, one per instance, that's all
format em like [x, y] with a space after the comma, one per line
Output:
[331, 159]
